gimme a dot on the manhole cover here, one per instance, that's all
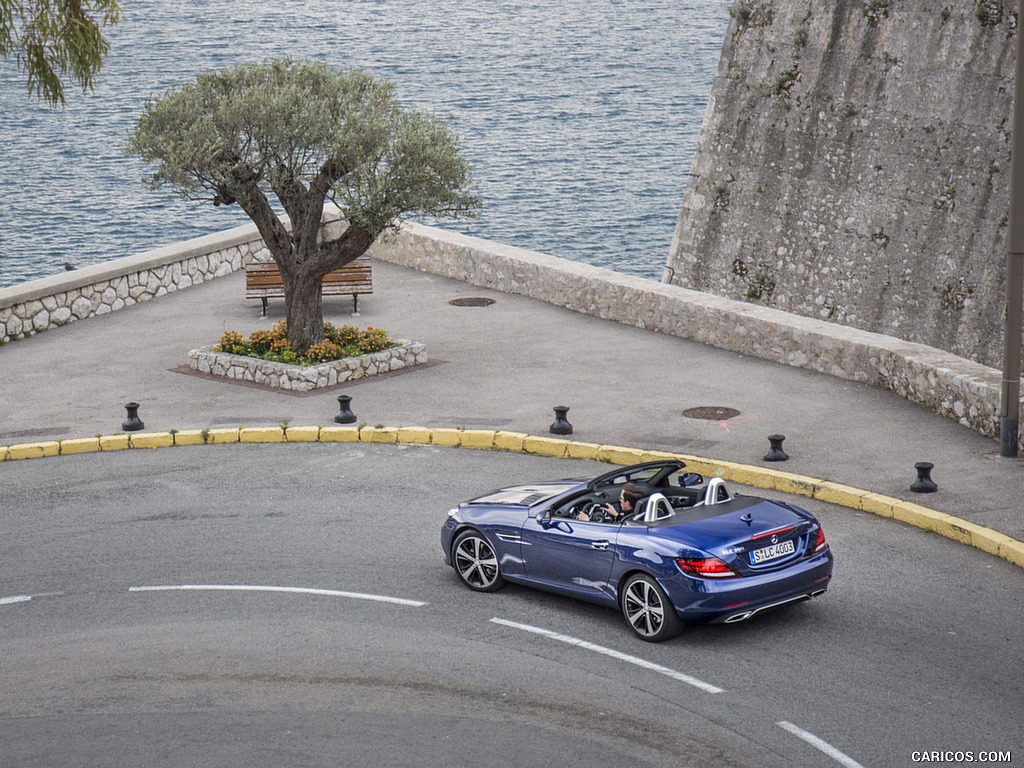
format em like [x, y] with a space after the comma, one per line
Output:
[711, 413]
[472, 301]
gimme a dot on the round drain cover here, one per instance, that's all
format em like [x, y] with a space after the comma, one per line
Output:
[711, 413]
[471, 301]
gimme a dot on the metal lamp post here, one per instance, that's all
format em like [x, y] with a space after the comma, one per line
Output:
[1009, 407]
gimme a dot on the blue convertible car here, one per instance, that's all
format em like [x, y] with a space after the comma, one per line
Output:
[690, 551]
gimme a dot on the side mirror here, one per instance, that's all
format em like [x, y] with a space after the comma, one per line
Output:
[547, 521]
[690, 479]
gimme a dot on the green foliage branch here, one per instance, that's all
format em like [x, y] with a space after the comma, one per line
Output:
[52, 40]
[304, 134]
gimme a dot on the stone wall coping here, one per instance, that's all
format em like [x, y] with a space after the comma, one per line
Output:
[961, 389]
[115, 268]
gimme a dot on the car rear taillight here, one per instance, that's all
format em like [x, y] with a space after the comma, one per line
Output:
[705, 567]
[820, 543]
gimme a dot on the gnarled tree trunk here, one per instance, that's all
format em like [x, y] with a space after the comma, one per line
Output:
[303, 310]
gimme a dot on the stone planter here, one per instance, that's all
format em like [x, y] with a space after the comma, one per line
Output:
[299, 378]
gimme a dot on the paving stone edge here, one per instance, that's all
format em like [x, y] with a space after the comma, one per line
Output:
[949, 526]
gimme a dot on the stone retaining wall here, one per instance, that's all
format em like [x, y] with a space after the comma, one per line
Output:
[952, 386]
[854, 166]
[50, 302]
[306, 378]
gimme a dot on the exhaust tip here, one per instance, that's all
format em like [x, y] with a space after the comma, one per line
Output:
[738, 617]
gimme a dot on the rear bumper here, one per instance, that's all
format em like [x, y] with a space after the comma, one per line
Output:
[732, 600]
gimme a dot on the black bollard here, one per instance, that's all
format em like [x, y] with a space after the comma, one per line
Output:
[924, 482]
[561, 425]
[133, 423]
[776, 453]
[345, 415]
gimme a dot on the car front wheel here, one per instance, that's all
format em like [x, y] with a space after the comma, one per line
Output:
[476, 562]
[648, 610]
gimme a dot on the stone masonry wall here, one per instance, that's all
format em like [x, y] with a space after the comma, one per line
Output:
[960, 389]
[854, 167]
[50, 302]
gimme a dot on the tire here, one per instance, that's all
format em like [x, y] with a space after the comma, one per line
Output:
[476, 562]
[648, 611]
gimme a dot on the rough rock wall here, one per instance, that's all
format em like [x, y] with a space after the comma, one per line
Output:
[854, 167]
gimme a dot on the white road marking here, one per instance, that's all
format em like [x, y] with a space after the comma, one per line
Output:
[294, 590]
[15, 599]
[683, 678]
[818, 744]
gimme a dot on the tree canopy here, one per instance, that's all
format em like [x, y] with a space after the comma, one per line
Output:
[52, 40]
[304, 134]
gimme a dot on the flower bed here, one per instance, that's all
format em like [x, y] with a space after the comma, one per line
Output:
[339, 342]
[304, 378]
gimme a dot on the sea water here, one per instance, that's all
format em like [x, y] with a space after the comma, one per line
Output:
[579, 117]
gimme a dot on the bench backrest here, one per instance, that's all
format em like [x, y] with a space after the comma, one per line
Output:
[263, 278]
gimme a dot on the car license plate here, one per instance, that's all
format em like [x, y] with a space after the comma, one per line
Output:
[773, 552]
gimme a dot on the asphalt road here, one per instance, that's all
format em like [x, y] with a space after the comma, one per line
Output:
[916, 647]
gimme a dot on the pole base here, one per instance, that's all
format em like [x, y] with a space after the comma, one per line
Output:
[1009, 436]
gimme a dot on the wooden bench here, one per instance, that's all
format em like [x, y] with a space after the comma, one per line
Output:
[263, 281]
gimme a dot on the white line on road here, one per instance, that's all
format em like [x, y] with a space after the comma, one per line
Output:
[818, 744]
[613, 654]
[15, 599]
[293, 590]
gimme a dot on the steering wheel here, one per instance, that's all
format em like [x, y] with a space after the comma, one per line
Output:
[596, 512]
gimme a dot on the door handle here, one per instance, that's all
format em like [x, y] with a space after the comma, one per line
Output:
[599, 545]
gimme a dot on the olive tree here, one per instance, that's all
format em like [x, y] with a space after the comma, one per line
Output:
[55, 39]
[304, 134]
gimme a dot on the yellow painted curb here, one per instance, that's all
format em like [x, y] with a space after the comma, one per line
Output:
[449, 437]
[585, 451]
[151, 440]
[478, 438]
[189, 437]
[33, 450]
[114, 443]
[339, 435]
[949, 526]
[877, 504]
[83, 445]
[378, 435]
[509, 441]
[836, 493]
[798, 485]
[219, 436]
[755, 477]
[302, 434]
[544, 446]
[1009, 549]
[613, 454]
[414, 435]
[699, 465]
[261, 435]
[660, 456]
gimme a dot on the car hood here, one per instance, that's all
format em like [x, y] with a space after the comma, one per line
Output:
[527, 495]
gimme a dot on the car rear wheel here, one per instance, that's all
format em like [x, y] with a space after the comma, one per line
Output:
[476, 562]
[648, 610]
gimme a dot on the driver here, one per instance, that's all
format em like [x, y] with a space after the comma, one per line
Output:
[630, 494]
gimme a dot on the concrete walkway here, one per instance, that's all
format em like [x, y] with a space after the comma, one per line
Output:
[505, 366]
